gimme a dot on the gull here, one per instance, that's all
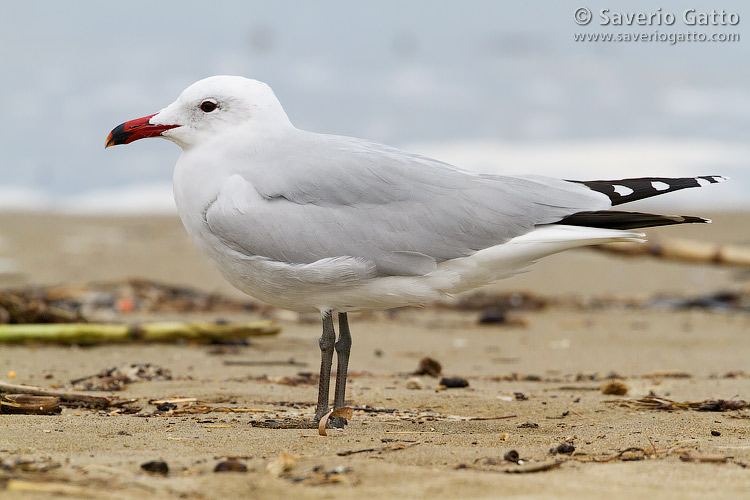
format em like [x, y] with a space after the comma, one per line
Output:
[332, 224]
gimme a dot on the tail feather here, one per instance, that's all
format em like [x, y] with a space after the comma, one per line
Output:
[627, 190]
[613, 219]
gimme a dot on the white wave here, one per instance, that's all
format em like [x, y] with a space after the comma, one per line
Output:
[23, 198]
[129, 200]
[145, 199]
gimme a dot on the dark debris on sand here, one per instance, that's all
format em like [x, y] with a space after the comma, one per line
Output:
[429, 366]
[79, 303]
[115, 378]
[159, 467]
[76, 303]
[496, 306]
[660, 403]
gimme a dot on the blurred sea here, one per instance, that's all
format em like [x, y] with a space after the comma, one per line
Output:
[490, 86]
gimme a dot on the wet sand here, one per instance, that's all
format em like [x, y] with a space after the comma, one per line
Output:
[428, 447]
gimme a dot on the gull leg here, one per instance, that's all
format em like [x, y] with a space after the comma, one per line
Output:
[326, 343]
[343, 346]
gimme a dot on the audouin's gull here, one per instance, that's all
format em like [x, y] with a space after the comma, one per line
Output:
[332, 224]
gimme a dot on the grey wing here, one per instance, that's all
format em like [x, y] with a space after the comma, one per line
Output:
[329, 196]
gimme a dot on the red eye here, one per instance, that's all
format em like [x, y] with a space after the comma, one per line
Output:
[208, 106]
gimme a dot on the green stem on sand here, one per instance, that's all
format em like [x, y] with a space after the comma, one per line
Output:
[170, 331]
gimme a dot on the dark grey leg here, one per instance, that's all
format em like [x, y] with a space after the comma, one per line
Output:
[343, 347]
[326, 344]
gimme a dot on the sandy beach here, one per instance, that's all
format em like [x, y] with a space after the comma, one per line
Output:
[534, 384]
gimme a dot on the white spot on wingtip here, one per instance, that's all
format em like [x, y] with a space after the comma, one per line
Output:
[622, 190]
[660, 186]
[705, 180]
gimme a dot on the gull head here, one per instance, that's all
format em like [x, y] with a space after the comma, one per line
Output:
[207, 109]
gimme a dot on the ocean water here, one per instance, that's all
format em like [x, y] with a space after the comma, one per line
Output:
[490, 86]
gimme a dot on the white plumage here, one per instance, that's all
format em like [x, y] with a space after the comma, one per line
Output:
[313, 222]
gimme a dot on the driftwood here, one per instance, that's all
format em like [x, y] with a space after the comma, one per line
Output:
[72, 397]
[29, 405]
[699, 252]
[90, 333]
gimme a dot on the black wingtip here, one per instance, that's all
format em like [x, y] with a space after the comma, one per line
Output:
[627, 190]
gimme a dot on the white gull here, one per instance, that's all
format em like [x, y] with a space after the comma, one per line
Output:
[314, 222]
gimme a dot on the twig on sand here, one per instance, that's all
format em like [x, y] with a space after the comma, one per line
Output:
[634, 454]
[502, 417]
[553, 464]
[54, 488]
[370, 409]
[659, 403]
[526, 468]
[254, 362]
[90, 333]
[380, 449]
[713, 459]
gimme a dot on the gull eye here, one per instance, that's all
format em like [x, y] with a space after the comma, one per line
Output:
[208, 106]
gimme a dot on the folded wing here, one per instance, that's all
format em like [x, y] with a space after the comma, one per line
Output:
[331, 196]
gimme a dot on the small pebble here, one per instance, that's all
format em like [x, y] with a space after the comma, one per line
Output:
[414, 383]
[491, 316]
[512, 456]
[715, 433]
[454, 382]
[166, 407]
[615, 388]
[429, 366]
[156, 467]
[564, 449]
[230, 466]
